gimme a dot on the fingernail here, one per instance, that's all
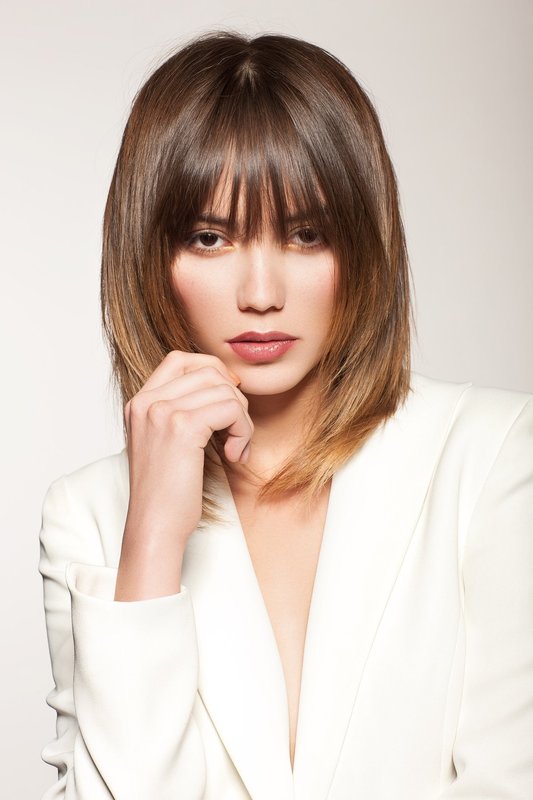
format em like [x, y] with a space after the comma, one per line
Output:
[234, 377]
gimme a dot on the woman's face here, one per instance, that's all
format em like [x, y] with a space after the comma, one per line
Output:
[228, 288]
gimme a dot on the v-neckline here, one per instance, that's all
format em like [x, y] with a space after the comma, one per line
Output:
[233, 518]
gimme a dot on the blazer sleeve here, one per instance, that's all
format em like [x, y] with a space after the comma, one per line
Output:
[493, 748]
[125, 673]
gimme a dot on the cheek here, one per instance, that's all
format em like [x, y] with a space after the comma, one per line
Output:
[189, 290]
[184, 296]
[203, 300]
[325, 298]
[317, 295]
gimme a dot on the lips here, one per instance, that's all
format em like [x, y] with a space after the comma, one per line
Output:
[261, 347]
[257, 336]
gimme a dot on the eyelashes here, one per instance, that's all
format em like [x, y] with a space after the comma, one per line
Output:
[201, 241]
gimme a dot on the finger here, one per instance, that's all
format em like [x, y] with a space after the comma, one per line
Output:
[204, 396]
[178, 362]
[204, 377]
[220, 415]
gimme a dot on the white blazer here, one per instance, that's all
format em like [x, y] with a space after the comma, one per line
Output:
[418, 665]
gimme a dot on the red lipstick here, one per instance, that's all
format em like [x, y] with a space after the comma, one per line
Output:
[256, 347]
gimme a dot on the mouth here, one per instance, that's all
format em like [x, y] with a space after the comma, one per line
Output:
[263, 350]
[268, 336]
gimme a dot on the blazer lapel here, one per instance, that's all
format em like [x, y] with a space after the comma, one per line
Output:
[374, 504]
[376, 499]
[241, 680]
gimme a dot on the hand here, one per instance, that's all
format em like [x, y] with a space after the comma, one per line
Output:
[169, 422]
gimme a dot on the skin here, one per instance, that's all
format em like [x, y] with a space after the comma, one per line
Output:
[227, 287]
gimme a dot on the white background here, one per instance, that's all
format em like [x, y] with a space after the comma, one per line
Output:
[452, 83]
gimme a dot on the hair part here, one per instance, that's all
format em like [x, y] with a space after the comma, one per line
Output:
[291, 131]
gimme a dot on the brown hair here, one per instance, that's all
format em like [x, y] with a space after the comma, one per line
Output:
[295, 124]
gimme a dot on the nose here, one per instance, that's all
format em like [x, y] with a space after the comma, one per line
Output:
[261, 284]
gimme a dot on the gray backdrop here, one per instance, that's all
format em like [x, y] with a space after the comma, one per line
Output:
[452, 82]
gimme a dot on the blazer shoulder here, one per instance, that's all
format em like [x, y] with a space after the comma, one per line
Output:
[489, 405]
[95, 479]
[83, 512]
[481, 417]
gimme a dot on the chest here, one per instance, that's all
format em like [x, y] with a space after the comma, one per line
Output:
[284, 541]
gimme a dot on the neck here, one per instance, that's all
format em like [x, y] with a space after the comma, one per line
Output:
[278, 432]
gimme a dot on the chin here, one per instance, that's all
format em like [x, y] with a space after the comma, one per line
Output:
[262, 386]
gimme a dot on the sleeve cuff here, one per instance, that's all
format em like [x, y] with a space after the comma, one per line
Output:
[99, 582]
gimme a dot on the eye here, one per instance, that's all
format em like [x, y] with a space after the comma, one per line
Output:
[309, 238]
[203, 241]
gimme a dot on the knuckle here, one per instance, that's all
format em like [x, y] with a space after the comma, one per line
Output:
[214, 360]
[174, 356]
[208, 370]
[156, 412]
[179, 421]
[227, 391]
[241, 398]
[135, 407]
[235, 403]
[187, 426]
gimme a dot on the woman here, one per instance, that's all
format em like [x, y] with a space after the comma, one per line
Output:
[308, 573]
